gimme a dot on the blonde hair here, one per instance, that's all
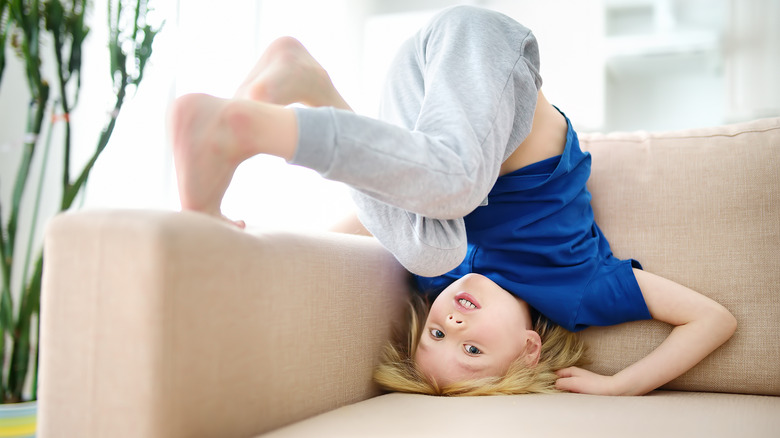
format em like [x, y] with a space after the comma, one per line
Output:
[398, 372]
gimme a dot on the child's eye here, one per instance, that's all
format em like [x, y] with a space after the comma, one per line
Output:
[436, 333]
[470, 349]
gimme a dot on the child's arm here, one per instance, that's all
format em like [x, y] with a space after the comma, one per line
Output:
[701, 326]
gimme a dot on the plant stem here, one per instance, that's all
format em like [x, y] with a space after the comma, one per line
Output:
[37, 350]
[6, 300]
[25, 314]
[28, 19]
[36, 206]
[73, 189]
[20, 357]
[62, 81]
[4, 26]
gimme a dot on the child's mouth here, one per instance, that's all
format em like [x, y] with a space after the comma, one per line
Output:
[466, 301]
[467, 304]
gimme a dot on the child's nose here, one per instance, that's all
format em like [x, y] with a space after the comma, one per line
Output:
[453, 319]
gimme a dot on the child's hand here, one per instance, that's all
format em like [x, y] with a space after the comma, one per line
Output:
[574, 379]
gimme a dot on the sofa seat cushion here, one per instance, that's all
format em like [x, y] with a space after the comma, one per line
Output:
[661, 413]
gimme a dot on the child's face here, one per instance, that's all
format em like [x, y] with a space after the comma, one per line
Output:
[475, 329]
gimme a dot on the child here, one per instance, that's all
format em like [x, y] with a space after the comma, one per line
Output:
[477, 185]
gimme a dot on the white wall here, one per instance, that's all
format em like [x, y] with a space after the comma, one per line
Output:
[753, 59]
[570, 34]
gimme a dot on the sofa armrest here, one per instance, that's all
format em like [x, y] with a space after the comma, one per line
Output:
[160, 324]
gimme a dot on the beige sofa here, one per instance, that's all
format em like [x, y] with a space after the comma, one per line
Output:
[161, 324]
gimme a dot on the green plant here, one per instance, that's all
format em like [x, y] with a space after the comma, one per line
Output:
[26, 25]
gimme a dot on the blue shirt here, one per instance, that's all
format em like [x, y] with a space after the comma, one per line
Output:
[537, 238]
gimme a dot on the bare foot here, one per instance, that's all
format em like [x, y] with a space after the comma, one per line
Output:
[287, 73]
[212, 136]
[205, 152]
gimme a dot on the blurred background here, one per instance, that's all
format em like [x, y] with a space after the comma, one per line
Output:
[609, 64]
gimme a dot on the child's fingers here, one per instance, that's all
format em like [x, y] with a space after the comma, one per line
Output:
[567, 379]
[574, 379]
[567, 384]
[568, 372]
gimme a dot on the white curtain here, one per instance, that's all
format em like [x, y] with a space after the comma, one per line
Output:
[753, 59]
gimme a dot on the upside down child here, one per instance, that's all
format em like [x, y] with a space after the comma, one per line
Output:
[477, 185]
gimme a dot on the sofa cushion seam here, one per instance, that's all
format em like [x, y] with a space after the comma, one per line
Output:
[679, 137]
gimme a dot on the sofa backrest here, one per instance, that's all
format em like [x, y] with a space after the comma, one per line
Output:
[700, 207]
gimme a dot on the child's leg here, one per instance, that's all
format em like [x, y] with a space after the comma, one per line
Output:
[213, 136]
[287, 73]
[466, 87]
[461, 98]
[464, 96]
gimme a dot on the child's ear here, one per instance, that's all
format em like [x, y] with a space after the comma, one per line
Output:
[533, 348]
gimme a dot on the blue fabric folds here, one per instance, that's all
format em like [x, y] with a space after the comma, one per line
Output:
[537, 238]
